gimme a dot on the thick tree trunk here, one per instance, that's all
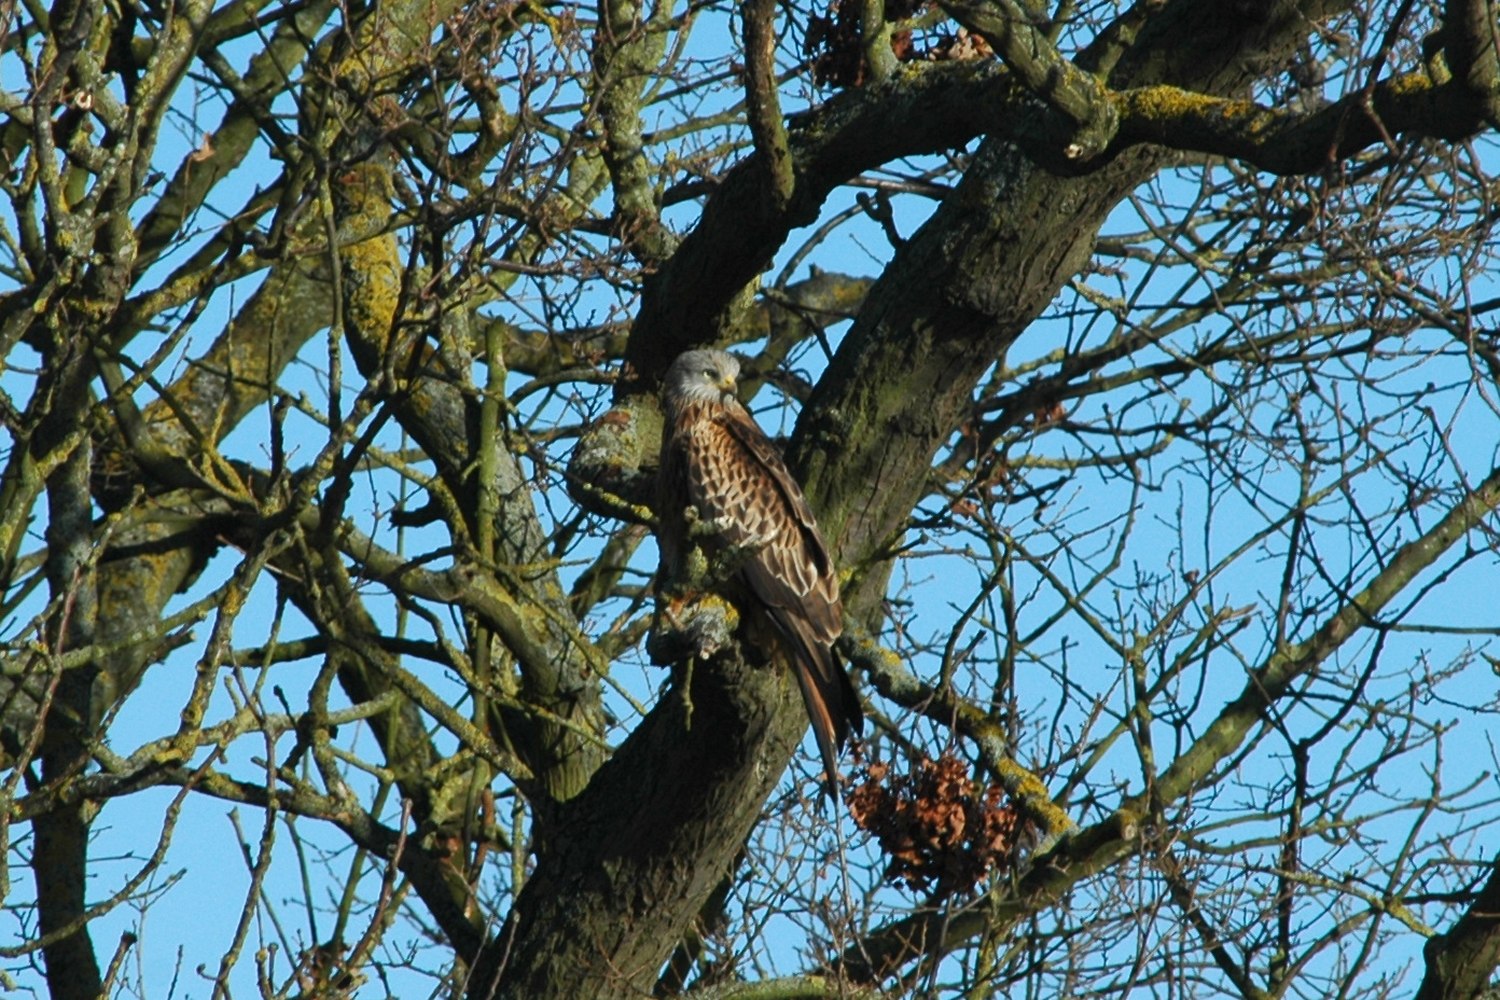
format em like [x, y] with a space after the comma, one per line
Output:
[1461, 962]
[636, 855]
[662, 820]
[60, 856]
[958, 293]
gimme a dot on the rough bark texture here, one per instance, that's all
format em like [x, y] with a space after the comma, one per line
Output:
[642, 848]
[1461, 962]
[60, 865]
[614, 851]
[977, 273]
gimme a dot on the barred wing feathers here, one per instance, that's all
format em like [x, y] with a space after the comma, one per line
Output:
[734, 475]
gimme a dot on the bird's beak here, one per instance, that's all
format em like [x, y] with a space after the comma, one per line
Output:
[727, 384]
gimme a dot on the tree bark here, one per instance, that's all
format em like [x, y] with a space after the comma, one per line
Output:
[646, 843]
[1461, 962]
[956, 295]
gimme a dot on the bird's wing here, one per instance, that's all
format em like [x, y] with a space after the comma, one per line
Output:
[736, 476]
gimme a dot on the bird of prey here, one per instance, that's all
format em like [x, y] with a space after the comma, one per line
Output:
[717, 462]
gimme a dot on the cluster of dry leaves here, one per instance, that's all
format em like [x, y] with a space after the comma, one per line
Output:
[837, 50]
[941, 830]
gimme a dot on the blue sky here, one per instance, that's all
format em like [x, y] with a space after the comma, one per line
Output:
[1187, 515]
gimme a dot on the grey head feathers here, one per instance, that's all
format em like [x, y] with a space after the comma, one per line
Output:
[702, 376]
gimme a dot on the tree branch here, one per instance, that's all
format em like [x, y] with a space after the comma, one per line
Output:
[1462, 960]
[762, 101]
[1077, 94]
[1471, 43]
[1097, 847]
[1289, 142]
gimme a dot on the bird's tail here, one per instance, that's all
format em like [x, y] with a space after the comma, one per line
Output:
[832, 704]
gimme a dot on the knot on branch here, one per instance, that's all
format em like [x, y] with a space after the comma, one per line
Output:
[708, 561]
[694, 629]
[692, 620]
[1088, 118]
[612, 472]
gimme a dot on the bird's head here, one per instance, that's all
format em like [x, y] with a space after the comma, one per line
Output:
[701, 377]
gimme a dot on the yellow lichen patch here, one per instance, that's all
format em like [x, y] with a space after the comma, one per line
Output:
[694, 627]
[1033, 799]
[1407, 84]
[1162, 105]
[720, 607]
[705, 611]
[372, 267]
[1165, 102]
